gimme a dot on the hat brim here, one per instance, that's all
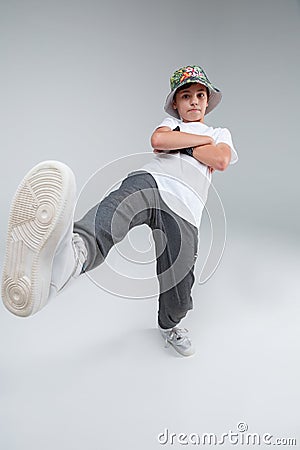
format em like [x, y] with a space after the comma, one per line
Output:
[215, 96]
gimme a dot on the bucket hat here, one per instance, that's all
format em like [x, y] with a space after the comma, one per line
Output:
[191, 74]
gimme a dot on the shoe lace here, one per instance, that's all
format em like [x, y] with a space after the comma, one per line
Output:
[81, 253]
[177, 335]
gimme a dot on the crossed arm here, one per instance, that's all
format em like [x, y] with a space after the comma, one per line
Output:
[215, 156]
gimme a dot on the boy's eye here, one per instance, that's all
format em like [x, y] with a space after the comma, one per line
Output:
[185, 96]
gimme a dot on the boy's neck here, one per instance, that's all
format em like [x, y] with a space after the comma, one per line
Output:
[192, 121]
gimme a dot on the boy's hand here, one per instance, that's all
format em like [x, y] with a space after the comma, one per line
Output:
[214, 156]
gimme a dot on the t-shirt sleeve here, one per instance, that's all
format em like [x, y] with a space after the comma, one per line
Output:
[169, 122]
[225, 136]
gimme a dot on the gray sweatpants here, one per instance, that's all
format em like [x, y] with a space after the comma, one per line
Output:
[137, 201]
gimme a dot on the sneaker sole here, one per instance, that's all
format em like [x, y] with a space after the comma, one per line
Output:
[182, 353]
[40, 213]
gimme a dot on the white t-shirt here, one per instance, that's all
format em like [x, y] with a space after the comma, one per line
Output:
[183, 181]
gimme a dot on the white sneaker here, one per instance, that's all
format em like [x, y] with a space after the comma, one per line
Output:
[42, 254]
[177, 337]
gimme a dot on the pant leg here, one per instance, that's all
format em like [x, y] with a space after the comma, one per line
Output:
[137, 202]
[108, 222]
[176, 245]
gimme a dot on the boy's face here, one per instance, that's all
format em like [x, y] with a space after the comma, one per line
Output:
[191, 102]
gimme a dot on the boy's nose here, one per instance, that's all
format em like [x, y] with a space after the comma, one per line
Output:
[194, 100]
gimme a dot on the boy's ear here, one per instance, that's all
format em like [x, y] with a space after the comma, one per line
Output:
[174, 105]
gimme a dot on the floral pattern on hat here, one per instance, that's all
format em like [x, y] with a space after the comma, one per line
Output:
[188, 73]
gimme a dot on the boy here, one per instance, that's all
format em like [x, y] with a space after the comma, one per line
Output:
[46, 250]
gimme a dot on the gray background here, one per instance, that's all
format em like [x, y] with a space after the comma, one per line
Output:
[85, 83]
